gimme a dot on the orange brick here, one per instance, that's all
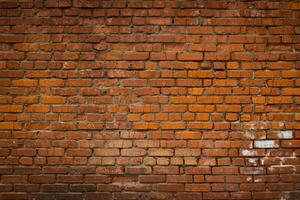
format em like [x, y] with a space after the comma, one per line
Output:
[160, 152]
[36, 108]
[52, 100]
[201, 108]
[10, 126]
[133, 152]
[107, 152]
[190, 56]
[201, 74]
[187, 152]
[145, 108]
[24, 83]
[291, 91]
[228, 108]
[11, 108]
[78, 83]
[183, 99]
[51, 82]
[145, 126]
[200, 125]
[172, 125]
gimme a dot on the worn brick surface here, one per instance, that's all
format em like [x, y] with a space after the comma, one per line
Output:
[149, 99]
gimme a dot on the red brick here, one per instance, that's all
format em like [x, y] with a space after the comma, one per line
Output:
[200, 30]
[36, 108]
[198, 170]
[14, 179]
[152, 178]
[197, 187]
[168, 187]
[52, 152]
[225, 170]
[145, 109]
[159, 21]
[215, 152]
[79, 83]
[179, 178]
[149, 99]
[216, 56]
[79, 47]
[290, 143]
[253, 186]
[55, 187]
[136, 56]
[12, 56]
[138, 170]
[165, 170]
[42, 179]
[162, 82]
[69, 179]
[79, 152]
[96, 179]
[187, 152]
[203, 47]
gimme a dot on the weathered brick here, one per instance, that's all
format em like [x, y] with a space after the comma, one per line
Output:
[152, 178]
[149, 99]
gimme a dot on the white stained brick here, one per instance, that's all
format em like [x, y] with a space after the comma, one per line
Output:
[285, 134]
[265, 144]
[247, 152]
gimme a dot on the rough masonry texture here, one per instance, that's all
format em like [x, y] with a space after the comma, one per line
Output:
[153, 100]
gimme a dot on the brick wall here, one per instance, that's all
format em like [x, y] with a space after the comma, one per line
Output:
[149, 100]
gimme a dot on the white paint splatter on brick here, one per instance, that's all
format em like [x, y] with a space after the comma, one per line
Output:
[263, 125]
[281, 124]
[252, 161]
[285, 134]
[249, 135]
[247, 153]
[274, 166]
[252, 126]
[257, 180]
[262, 161]
[65, 65]
[265, 144]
